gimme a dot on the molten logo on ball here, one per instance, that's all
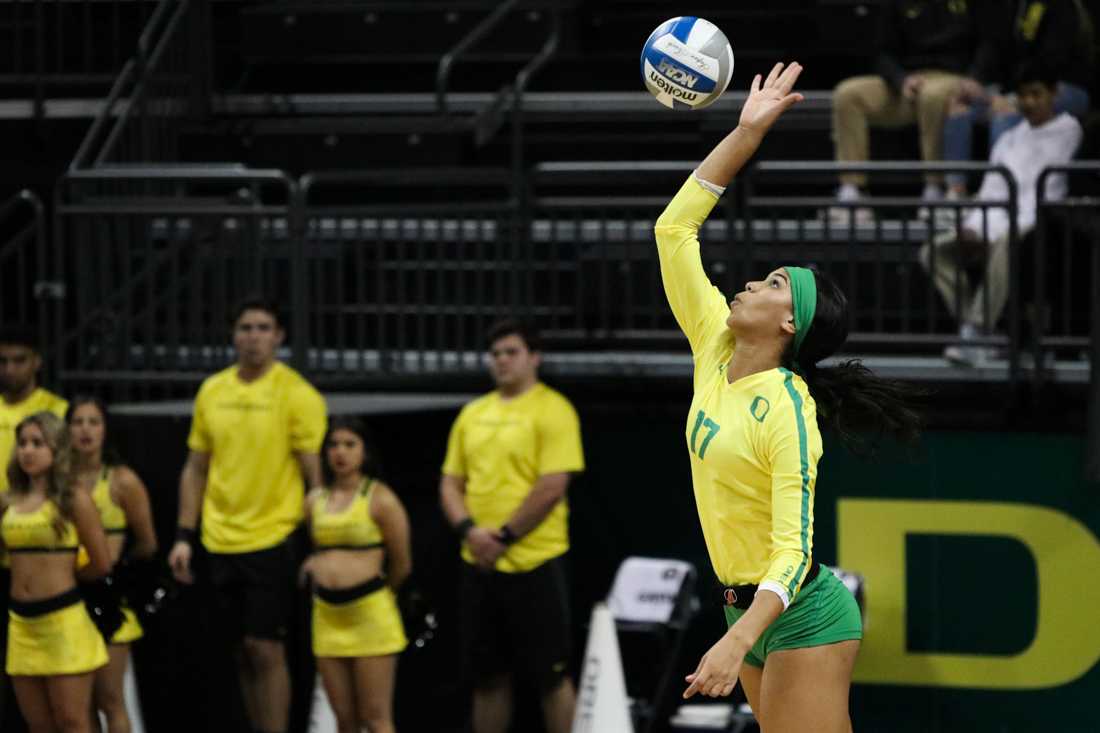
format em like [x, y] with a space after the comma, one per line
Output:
[686, 63]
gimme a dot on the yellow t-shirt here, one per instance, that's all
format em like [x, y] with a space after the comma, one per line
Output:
[754, 444]
[11, 415]
[253, 431]
[501, 447]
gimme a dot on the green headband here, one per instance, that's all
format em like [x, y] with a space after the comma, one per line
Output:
[804, 302]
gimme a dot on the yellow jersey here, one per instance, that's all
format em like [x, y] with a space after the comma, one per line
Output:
[753, 444]
[501, 447]
[252, 432]
[40, 400]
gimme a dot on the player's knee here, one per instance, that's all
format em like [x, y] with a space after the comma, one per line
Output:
[846, 93]
[109, 700]
[263, 654]
[375, 715]
[71, 721]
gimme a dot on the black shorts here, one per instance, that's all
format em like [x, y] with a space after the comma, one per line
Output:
[253, 592]
[516, 623]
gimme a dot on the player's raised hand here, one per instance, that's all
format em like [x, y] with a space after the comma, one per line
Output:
[769, 98]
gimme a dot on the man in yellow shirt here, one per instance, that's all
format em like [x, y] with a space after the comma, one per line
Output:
[21, 397]
[509, 460]
[256, 432]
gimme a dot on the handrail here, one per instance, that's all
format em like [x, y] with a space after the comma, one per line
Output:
[447, 62]
[137, 65]
[909, 168]
[1092, 467]
[147, 65]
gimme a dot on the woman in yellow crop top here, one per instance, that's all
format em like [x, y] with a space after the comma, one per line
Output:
[361, 556]
[53, 646]
[793, 630]
[122, 501]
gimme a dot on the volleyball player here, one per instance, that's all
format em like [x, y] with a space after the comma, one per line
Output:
[255, 433]
[53, 646]
[752, 433]
[362, 556]
[510, 457]
[122, 501]
[20, 396]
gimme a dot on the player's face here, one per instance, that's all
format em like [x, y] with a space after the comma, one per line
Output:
[32, 451]
[18, 365]
[344, 452]
[256, 336]
[1036, 102]
[511, 362]
[87, 428]
[763, 308]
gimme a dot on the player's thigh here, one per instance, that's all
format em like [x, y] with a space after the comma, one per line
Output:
[751, 679]
[34, 701]
[70, 698]
[806, 690]
[109, 679]
[374, 677]
[337, 675]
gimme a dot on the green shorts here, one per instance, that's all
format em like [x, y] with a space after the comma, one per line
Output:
[823, 612]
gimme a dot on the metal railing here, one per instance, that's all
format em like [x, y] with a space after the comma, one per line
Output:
[164, 83]
[75, 47]
[886, 266]
[395, 287]
[1066, 260]
[23, 259]
[153, 274]
[384, 280]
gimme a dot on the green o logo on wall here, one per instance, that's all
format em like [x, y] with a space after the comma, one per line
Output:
[759, 408]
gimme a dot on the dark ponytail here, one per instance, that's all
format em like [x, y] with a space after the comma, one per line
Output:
[860, 407]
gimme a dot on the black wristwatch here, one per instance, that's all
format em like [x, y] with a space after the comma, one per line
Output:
[187, 534]
[506, 535]
[463, 528]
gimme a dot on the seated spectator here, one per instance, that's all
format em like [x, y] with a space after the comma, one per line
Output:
[928, 50]
[1057, 32]
[1044, 138]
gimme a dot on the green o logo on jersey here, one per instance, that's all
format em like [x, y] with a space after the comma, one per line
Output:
[759, 408]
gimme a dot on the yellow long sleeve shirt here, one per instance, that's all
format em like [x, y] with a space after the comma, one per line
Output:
[754, 444]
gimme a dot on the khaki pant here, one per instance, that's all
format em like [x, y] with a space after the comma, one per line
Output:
[865, 101]
[948, 272]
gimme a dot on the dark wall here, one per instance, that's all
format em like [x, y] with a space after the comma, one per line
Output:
[636, 499]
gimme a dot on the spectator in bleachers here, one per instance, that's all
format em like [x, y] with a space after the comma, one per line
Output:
[1058, 33]
[928, 50]
[1044, 138]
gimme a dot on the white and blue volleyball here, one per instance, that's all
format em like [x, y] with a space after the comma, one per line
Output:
[687, 63]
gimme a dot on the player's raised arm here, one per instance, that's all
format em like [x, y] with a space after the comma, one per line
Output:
[698, 306]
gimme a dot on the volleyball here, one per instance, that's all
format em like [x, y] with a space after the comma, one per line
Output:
[687, 63]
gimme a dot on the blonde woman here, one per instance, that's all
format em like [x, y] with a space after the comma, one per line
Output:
[53, 645]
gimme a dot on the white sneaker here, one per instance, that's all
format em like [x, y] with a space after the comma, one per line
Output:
[948, 218]
[842, 216]
[968, 356]
[932, 194]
